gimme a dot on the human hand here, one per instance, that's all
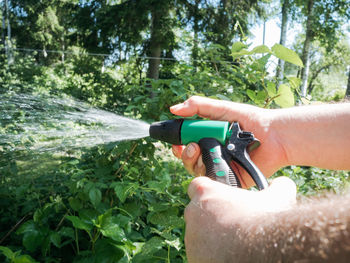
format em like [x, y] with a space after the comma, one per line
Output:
[217, 212]
[269, 157]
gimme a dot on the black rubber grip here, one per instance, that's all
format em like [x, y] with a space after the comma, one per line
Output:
[217, 168]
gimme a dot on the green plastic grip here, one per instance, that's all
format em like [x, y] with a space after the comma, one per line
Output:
[195, 130]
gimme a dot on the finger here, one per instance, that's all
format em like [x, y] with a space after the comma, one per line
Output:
[198, 186]
[190, 156]
[282, 192]
[199, 167]
[205, 107]
[213, 109]
[177, 150]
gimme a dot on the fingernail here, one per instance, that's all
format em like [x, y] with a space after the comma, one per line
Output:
[190, 151]
[176, 107]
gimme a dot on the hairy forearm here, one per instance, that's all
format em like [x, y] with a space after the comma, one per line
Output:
[315, 232]
[315, 135]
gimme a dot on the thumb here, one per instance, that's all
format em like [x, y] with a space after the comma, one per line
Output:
[281, 193]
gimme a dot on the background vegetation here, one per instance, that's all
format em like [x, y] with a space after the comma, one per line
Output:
[123, 202]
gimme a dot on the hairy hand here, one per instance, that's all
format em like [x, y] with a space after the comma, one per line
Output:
[269, 157]
[217, 211]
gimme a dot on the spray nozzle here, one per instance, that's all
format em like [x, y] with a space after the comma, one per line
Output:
[220, 144]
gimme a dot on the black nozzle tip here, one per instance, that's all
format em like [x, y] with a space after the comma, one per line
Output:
[167, 131]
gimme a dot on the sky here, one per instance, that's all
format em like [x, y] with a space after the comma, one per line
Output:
[272, 34]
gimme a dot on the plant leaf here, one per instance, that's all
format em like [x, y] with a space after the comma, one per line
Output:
[78, 223]
[237, 47]
[124, 189]
[286, 54]
[95, 196]
[7, 252]
[286, 96]
[260, 49]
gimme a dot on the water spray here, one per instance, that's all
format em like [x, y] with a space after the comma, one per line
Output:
[220, 143]
[46, 124]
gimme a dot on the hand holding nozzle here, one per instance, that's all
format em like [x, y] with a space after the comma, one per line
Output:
[269, 157]
[220, 144]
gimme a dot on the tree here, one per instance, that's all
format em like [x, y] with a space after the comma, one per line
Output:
[8, 40]
[323, 20]
[283, 39]
[307, 46]
[228, 20]
[161, 35]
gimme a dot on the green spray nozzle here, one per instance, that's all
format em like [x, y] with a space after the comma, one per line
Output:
[183, 131]
[220, 144]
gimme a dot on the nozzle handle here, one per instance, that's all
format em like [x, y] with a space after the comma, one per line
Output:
[216, 166]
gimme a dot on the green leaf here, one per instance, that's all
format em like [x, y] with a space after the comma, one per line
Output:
[95, 196]
[285, 96]
[261, 96]
[260, 49]
[238, 46]
[294, 82]
[78, 223]
[251, 94]
[106, 251]
[7, 252]
[24, 259]
[271, 89]
[75, 203]
[110, 226]
[286, 54]
[67, 232]
[33, 237]
[158, 186]
[176, 243]
[32, 240]
[150, 247]
[124, 190]
[168, 218]
[113, 231]
[55, 239]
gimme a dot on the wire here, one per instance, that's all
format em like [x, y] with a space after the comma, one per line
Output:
[106, 55]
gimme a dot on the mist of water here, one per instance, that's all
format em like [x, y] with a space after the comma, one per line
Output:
[44, 123]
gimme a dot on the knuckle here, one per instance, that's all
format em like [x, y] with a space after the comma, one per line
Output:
[193, 99]
[200, 185]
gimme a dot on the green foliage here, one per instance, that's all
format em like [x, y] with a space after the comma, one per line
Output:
[16, 257]
[119, 202]
[314, 181]
[124, 202]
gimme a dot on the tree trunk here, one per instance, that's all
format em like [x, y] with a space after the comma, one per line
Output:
[195, 37]
[347, 93]
[154, 61]
[264, 32]
[8, 46]
[154, 46]
[3, 11]
[306, 48]
[283, 40]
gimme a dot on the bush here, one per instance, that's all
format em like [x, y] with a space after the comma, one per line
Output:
[121, 201]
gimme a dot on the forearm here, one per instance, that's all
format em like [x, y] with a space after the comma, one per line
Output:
[315, 135]
[317, 232]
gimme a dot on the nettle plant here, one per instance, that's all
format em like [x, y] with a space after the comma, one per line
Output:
[263, 90]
